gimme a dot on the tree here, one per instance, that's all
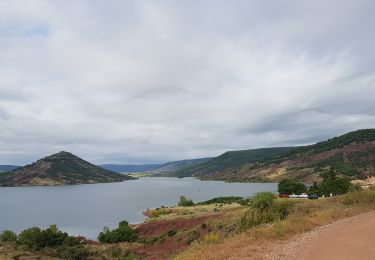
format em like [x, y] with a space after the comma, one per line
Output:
[8, 236]
[289, 186]
[331, 184]
[184, 202]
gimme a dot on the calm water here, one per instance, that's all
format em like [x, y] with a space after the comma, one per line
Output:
[86, 209]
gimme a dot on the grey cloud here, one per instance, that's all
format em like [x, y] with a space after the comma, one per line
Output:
[152, 81]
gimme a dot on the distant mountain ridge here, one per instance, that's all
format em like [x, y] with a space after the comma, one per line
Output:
[6, 168]
[130, 168]
[351, 155]
[174, 166]
[62, 168]
[154, 169]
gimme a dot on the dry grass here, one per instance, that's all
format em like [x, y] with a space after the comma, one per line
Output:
[256, 243]
[169, 213]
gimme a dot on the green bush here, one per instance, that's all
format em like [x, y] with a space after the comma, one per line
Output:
[37, 238]
[30, 237]
[224, 200]
[184, 202]
[121, 234]
[289, 186]
[8, 236]
[171, 233]
[263, 200]
[265, 209]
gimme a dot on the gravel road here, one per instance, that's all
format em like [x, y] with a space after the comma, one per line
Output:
[348, 239]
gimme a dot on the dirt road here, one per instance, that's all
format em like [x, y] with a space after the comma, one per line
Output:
[351, 238]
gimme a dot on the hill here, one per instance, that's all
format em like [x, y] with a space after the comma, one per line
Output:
[130, 168]
[154, 169]
[231, 159]
[62, 168]
[171, 167]
[352, 155]
[6, 168]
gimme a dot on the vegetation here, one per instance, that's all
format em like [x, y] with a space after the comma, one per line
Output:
[225, 200]
[265, 208]
[295, 162]
[257, 231]
[60, 169]
[289, 186]
[332, 184]
[51, 241]
[124, 233]
[185, 202]
[8, 236]
[263, 201]
[233, 159]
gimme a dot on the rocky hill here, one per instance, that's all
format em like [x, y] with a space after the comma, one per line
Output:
[351, 155]
[62, 168]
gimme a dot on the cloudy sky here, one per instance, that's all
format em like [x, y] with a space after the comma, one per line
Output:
[154, 81]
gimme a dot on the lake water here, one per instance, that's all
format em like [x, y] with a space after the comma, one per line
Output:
[86, 209]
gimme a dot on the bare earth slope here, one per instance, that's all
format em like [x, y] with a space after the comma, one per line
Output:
[351, 238]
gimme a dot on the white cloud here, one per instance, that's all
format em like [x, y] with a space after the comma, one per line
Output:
[151, 81]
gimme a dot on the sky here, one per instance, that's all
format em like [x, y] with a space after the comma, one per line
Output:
[135, 82]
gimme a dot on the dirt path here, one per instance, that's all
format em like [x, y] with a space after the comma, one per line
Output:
[351, 238]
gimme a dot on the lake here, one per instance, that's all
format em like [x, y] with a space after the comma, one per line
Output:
[86, 209]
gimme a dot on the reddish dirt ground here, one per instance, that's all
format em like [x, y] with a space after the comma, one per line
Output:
[161, 249]
[348, 239]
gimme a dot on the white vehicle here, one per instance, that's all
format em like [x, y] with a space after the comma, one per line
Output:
[302, 196]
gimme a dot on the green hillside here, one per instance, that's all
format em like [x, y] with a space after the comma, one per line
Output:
[62, 168]
[351, 154]
[233, 159]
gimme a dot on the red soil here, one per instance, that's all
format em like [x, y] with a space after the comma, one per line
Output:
[162, 248]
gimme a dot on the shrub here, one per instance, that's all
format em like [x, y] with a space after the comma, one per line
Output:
[160, 212]
[263, 200]
[8, 236]
[289, 186]
[171, 233]
[223, 200]
[281, 209]
[121, 234]
[184, 202]
[275, 211]
[30, 237]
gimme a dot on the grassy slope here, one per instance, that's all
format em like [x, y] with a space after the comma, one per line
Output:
[304, 216]
[233, 159]
[352, 154]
